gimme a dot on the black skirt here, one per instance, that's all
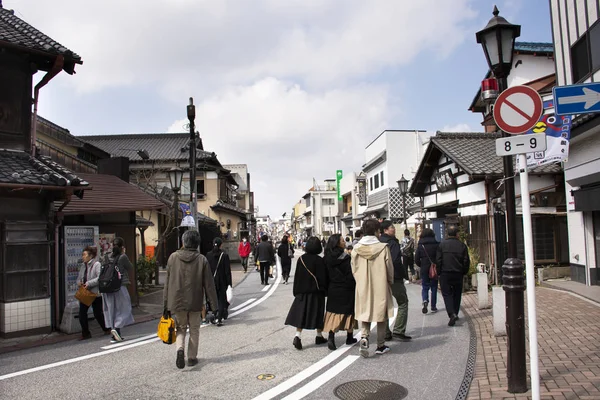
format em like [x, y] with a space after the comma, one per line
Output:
[307, 311]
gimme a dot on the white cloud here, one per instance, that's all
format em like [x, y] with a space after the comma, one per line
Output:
[456, 128]
[287, 135]
[204, 44]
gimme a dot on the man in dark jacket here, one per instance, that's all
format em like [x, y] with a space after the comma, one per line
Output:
[188, 279]
[264, 254]
[398, 289]
[453, 263]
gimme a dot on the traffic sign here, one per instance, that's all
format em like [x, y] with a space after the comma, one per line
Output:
[518, 109]
[576, 99]
[521, 144]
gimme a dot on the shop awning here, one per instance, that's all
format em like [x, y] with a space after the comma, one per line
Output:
[375, 208]
[448, 204]
[110, 194]
[586, 199]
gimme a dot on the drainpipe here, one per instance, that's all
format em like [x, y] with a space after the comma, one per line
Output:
[491, 231]
[57, 225]
[56, 68]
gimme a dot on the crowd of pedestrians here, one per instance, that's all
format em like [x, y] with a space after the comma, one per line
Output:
[343, 292]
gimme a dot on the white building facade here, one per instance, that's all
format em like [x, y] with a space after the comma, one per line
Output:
[576, 34]
[393, 154]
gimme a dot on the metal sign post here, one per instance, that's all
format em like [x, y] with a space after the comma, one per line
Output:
[530, 275]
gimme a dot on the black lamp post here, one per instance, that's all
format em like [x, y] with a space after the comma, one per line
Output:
[498, 42]
[175, 178]
[403, 186]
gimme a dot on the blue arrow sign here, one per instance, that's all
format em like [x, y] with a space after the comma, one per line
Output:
[577, 99]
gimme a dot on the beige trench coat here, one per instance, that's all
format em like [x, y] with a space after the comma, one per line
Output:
[374, 274]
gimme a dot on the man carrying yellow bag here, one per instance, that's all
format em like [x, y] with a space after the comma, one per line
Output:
[188, 279]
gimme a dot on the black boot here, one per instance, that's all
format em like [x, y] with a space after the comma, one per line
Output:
[331, 341]
[350, 339]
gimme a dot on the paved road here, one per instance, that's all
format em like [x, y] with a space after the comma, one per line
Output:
[252, 342]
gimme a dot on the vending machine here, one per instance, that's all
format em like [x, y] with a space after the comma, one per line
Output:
[76, 239]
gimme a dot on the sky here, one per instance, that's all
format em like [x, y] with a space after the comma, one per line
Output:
[294, 88]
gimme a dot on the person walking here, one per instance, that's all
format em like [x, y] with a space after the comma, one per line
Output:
[373, 271]
[310, 286]
[117, 306]
[408, 254]
[452, 259]
[189, 279]
[285, 252]
[388, 237]
[244, 250]
[88, 277]
[340, 292]
[424, 257]
[265, 257]
[357, 236]
[220, 267]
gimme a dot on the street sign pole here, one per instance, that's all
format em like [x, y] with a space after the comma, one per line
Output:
[530, 275]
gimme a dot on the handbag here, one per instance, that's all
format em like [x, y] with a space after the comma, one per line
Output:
[85, 296]
[433, 267]
[166, 329]
[229, 293]
[313, 275]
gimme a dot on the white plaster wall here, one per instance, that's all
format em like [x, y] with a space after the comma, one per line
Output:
[446, 196]
[403, 152]
[377, 171]
[376, 147]
[530, 68]
[480, 209]
[535, 182]
[577, 247]
[590, 245]
[471, 193]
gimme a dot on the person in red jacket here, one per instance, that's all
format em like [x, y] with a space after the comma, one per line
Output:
[244, 250]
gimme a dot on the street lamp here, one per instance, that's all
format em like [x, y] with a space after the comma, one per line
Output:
[403, 186]
[175, 178]
[498, 42]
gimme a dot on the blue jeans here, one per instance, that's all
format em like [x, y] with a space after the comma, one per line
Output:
[426, 284]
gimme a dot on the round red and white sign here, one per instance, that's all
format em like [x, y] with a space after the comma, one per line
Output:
[518, 109]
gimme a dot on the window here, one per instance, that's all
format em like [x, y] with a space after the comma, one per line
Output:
[585, 54]
[200, 186]
[328, 202]
[371, 182]
[381, 177]
[376, 181]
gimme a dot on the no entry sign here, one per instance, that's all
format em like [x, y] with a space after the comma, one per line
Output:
[518, 109]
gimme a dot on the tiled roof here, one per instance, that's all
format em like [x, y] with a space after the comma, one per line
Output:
[228, 207]
[110, 194]
[474, 152]
[534, 47]
[18, 167]
[14, 32]
[160, 146]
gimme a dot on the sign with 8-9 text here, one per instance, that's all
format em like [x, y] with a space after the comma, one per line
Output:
[520, 144]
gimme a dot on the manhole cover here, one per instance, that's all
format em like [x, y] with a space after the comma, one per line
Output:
[370, 390]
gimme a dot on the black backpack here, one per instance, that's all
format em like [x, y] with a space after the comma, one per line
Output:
[109, 280]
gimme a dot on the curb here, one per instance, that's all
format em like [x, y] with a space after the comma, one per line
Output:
[465, 385]
[550, 286]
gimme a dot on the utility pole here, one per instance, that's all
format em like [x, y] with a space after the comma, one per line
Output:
[191, 114]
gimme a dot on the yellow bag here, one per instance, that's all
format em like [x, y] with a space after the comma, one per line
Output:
[85, 296]
[166, 330]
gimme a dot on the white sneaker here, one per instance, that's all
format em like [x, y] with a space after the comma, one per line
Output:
[364, 347]
[116, 335]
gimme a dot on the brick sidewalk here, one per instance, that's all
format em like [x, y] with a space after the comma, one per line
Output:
[568, 343]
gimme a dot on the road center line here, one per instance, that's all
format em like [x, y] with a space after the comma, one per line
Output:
[125, 343]
[242, 305]
[322, 379]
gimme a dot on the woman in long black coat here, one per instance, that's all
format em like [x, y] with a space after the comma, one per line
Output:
[220, 266]
[283, 251]
[310, 286]
[340, 291]
[425, 254]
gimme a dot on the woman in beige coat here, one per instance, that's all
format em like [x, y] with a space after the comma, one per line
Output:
[374, 274]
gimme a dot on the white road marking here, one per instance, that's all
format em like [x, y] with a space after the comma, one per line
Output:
[129, 345]
[73, 360]
[322, 363]
[126, 342]
[242, 305]
[267, 287]
[322, 379]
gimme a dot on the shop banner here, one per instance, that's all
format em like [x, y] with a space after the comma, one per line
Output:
[558, 134]
[188, 220]
[338, 178]
[362, 192]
